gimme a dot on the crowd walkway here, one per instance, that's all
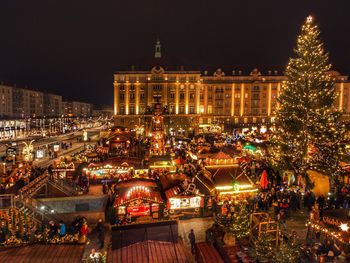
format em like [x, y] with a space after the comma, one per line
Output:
[47, 161]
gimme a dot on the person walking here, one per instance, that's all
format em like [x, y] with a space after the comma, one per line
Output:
[101, 233]
[192, 239]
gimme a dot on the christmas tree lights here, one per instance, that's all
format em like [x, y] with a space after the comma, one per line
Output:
[308, 133]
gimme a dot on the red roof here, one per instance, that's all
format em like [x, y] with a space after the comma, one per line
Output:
[149, 252]
[206, 253]
[221, 156]
[43, 253]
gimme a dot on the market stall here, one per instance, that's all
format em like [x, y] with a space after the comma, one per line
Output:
[138, 198]
[108, 171]
[182, 205]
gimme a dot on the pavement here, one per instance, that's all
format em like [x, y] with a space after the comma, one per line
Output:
[199, 226]
[44, 162]
[297, 222]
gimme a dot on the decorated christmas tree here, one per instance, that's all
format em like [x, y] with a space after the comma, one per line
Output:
[240, 226]
[287, 253]
[308, 132]
[263, 248]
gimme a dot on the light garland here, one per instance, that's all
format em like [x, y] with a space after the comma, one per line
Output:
[335, 234]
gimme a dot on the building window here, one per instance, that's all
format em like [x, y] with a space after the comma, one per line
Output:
[236, 121]
[192, 96]
[245, 120]
[132, 110]
[210, 109]
[237, 95]
[182, 109]
[255, 96]
[122, 110]
[121, 96]
[182, 96]
[192, 110]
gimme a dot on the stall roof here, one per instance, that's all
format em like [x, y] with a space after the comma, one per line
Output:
[153, 196]
[204, 184]
[43, 253]
[224, 174]
[149, 251]
[137, 181]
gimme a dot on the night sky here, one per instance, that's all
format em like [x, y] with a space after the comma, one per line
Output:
[72, 47]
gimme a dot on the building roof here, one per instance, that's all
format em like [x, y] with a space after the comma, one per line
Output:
[149, 252]
[43, 253]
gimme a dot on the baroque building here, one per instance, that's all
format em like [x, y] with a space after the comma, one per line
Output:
[193, 99]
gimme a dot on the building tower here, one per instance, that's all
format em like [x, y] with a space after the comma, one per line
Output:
[157, 53]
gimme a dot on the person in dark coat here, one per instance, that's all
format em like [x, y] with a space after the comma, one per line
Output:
[192, 239]
[100, 228]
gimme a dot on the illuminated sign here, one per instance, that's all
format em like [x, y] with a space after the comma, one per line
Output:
[185, 203]
[39, 154]
[56, 148]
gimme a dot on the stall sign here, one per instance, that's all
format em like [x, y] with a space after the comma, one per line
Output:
[155, 207]
[121, 210]
[11, 151]
[183, 203]
[39, 154]
[56, 148]
[140, 210]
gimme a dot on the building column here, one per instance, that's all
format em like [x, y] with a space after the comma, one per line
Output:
[233, 100]
[242, 100]
[165, 94]
[177, 99]
[116, 98]
[205, 100]
[197, 99]
[269, 100]
[341, 96]
[278, 92]
[127, 96]
[137, 99]
[186, 98]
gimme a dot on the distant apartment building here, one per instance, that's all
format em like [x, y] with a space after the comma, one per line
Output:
[27, 103]
[104, 112]
[52, 105]
[77, 109]
[6, 109]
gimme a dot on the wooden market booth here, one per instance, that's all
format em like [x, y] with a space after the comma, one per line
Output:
[138, 198]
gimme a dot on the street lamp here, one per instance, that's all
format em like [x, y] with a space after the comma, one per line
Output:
[4, 167]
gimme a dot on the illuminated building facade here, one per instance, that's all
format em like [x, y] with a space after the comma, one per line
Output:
[195, 98]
